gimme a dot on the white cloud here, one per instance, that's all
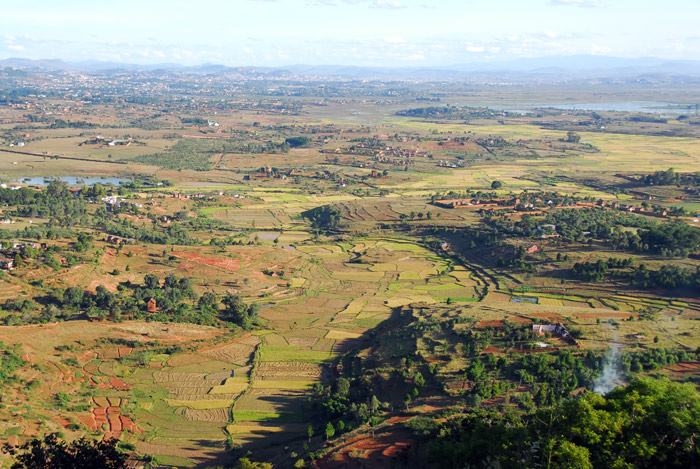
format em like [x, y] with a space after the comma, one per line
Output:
[599, 50]
[579, 3]
[388, 4]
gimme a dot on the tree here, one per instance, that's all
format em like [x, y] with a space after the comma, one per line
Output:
[150, 281]
[170, 281]
[310, 432]
[342, 386]
[245, 463]
[239, 313]
[54, 453]
[572, 137]
[50, 313]
[73, 296]
[57, 189]
[207, 300]
[565, 454]
[407, 400]
[374, 404]
[330, 431]
[496, 185]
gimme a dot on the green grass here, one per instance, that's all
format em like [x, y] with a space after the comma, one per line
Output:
[173, 461]
[432, 287]
[266, 416]
[210, 211]
[288, 353]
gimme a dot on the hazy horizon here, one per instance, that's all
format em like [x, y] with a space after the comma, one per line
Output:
[392, 33]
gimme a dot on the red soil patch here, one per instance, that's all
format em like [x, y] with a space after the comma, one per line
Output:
[89, 421]
[485, 324]
[548, 316]
[62, 421]
[119, 384]
[434, 360]
[493, 349]
[88, 356]
[684, 367]
[91, 368]
[379, 451]
[519, 320]
[232, 265]
[605, 315]
[396, 449]
[129, 425]
[116, 423]
[398, 419]
[109, 353]
[495, 400]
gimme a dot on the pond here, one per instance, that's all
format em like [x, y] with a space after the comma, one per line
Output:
[74, 180]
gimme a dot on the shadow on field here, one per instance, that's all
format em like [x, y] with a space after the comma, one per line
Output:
[297, 414]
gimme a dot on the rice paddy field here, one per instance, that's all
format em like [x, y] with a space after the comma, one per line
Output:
[246, 388]
[187, 394]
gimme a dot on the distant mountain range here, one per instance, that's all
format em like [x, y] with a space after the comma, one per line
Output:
[559, 68]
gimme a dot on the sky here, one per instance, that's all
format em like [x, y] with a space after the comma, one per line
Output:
[412, 33]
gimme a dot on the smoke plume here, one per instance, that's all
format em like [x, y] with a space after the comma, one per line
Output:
[611, 377]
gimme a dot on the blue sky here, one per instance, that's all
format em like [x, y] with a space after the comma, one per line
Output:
[352, 32]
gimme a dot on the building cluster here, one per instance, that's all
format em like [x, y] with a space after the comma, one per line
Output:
[112, 142]
[118, 240]
[456, 203]
[112, 201]
[631, 208]
[554, 329]
[451, 164]
[8, 253]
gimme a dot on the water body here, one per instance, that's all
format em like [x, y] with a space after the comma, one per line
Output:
[267, 235]
[74, 180]
[656, 107]
[524, 299]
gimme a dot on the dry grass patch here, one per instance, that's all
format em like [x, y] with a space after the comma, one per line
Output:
[354, 308]
[220, 415]
[275, 340]
[338, 334]
[237, 352]
[280, 369]
[231, 386]
[201, 404]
